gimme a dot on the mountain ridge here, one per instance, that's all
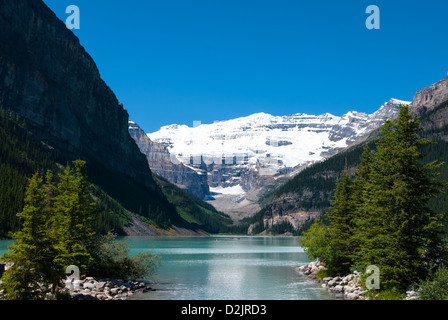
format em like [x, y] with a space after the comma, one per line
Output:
[308, 194]
[243, 156]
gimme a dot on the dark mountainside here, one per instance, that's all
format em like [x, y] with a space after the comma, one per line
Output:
[51, 84]
[296, 203]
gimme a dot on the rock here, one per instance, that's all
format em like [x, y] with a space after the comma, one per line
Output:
[338, 289]
[349, 289]
[100, 285]
[89, 285]
[352, 296]
[113, 291]
[411, 295]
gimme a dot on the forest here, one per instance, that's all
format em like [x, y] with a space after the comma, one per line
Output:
[313, 188]
[382, 216]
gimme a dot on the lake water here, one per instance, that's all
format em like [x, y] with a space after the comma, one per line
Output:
[226, 268]
[229, 268]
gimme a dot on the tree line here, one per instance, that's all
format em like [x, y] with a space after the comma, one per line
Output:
[58, 230]
[382, 216]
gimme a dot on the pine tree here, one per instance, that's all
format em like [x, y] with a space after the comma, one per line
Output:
[341, 217]
[400, 235]
[74, 215]
[32, 254]
[361, 195]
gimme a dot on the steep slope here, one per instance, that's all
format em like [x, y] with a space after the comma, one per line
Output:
[164, 164]
[21, 155]
[297, 202]
[48, 79]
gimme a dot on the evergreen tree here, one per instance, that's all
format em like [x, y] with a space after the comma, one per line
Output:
[74, 215]
[360, 196]
[400, 235]
[340, 233]
[34, 269]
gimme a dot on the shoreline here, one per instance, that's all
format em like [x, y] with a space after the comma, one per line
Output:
[347, 286]
[105, 289]
[90, 288]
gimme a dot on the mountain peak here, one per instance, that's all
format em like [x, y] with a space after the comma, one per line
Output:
[396, 101]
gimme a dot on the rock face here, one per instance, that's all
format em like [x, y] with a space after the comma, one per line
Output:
[48, 78]
[193, 181]
[430, 97]
[432, 101]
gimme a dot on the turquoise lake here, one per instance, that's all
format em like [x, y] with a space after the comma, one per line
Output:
[226, 268]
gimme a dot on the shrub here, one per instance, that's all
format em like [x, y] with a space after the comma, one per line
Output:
[436, 286]
[111, 259]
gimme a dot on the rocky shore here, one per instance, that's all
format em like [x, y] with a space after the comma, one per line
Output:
[89, 288]
[104, 289]
[349, 286]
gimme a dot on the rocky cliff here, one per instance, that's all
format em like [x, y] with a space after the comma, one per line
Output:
[164, 164]
[430, 97]
[431, 102]
[50, 80]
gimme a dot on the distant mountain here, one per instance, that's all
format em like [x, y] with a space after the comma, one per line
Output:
[306, 196]
[241, 157]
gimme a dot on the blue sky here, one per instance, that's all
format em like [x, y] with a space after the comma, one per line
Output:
[177, 61]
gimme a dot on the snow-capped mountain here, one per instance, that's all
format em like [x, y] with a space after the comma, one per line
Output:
[244, 154]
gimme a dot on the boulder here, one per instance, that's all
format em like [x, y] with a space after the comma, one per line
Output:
[337, 289]
[89, 284]
[100, 285]
[352, 296]
[331, 283]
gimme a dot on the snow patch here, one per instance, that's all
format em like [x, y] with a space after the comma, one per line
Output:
[235, 190]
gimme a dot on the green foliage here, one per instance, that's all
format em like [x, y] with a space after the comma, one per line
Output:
[57, 231]
[196, 214]
[387, 294]
[383, 218]
[322, 273]
[33, 254]
[20, 158]
[315, 241]
[399, 233]
[281, 228]
[73, 216]
[435, 287]
[112, 259]
[143, 200]
[340, 232]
